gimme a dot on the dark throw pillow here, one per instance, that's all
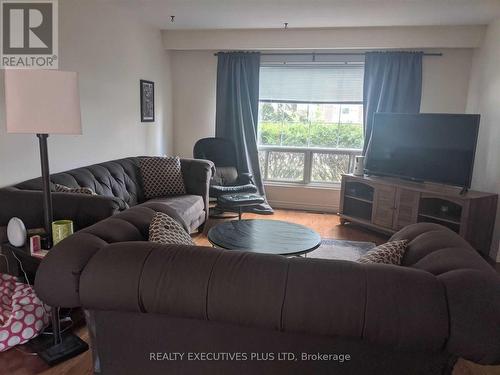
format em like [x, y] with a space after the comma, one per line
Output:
[162, 177]
[79, 190]
[165, 230]
[388, 253]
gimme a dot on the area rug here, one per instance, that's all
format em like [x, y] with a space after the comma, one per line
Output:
[341, 249]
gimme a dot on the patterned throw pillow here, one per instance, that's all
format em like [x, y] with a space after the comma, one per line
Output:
[165, 230]
[80, 190]
[162, 177]
[388, 253]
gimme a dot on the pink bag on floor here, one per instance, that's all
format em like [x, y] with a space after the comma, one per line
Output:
[22, 314]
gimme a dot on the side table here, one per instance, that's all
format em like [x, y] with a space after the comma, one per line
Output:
[21, 255]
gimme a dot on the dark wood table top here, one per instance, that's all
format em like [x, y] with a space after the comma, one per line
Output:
[264, 236]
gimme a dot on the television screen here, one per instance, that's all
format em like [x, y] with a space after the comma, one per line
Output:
[425, 147]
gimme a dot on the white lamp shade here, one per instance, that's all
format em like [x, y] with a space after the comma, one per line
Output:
[42, 102]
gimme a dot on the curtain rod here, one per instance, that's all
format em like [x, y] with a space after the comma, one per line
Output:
[327, 54]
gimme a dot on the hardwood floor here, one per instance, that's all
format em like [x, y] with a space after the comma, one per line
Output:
[20, 362]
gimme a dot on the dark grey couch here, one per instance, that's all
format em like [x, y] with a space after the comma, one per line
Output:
[118, 185]
[145, 299]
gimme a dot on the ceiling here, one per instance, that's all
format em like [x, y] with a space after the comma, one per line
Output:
[231, 14]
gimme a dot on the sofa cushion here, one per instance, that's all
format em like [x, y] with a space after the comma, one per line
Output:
[162, 177]
[165, 230]
[186, 209]
[387, 253]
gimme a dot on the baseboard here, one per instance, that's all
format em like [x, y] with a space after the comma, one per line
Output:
[304, 206]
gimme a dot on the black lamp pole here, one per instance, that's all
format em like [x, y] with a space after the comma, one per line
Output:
[47, 221]
[47, 197]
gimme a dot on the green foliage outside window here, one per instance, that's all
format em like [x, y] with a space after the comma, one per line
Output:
[310, 125]
[325, 135]
[326, 126]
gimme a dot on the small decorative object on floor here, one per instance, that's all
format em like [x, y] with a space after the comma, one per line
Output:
[387, 253]
[22, 315]
[61, 229]
[147, 101]
[16, 232]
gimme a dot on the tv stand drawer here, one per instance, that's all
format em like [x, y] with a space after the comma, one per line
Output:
[384, 206]
[383, 217]
[407, 208]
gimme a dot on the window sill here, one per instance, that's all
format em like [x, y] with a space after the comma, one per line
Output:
[333, 186]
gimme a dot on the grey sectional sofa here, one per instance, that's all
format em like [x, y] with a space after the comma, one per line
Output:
[118, 185]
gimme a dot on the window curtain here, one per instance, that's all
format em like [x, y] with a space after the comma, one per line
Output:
[237, 112]
[392, 83]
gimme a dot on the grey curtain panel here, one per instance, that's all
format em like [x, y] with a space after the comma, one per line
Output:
[237, 111]
[392, 83]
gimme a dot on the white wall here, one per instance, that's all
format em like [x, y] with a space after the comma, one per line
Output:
[194, 78]
[111, 51]
[445, 85]
[484, 98]
[340, 37]
[445, 81]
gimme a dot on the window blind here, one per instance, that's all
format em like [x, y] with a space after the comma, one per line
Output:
[312, 83]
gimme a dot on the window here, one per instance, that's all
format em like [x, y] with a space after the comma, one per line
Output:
[310, 121]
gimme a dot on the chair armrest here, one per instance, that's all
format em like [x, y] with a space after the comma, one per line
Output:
[197, 174]
[245, 179]
[83, 209]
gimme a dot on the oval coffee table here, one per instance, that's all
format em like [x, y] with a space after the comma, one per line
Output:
[264, 236]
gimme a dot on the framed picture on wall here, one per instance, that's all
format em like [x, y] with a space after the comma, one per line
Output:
[147, 89]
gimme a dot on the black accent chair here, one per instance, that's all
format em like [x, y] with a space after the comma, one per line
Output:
[227, 179]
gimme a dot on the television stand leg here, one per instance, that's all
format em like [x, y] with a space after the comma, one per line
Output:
[464, 190]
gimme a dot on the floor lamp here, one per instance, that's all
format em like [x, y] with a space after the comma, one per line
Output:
[44, 102]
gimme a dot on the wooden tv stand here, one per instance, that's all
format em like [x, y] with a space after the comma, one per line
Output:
[388, 204]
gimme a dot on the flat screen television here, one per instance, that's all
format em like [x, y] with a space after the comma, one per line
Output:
[423, 147]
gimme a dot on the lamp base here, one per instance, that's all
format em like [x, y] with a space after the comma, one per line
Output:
[70, 346]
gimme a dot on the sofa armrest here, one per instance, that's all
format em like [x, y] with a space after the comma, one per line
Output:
[197, 174]
[83, 209]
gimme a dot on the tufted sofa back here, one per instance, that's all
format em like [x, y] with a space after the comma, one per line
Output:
[117, 178]
[441, 300]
